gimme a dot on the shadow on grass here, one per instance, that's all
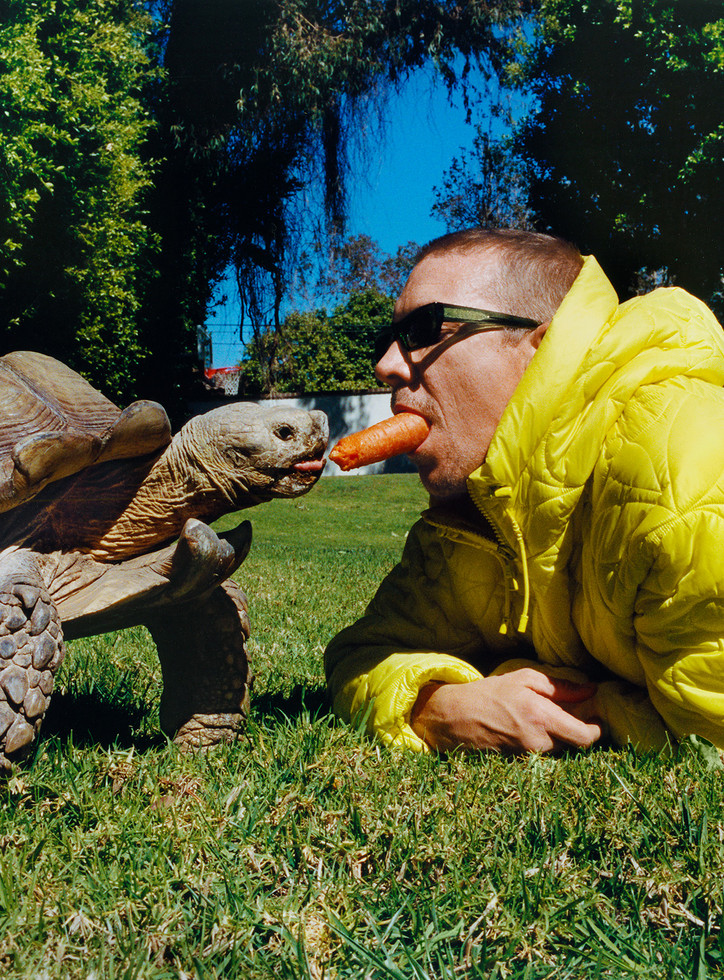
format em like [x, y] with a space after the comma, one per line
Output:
[301, 700]
[89, 719]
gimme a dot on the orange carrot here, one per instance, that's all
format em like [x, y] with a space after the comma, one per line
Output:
[400, 434]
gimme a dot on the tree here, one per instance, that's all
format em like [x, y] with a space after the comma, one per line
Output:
[628, 142]
[141, 159]
[488, 187]
[313, 352]
[74, 250]
[356, 265]
[260, 99]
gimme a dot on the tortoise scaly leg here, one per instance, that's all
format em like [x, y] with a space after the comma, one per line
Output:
[31, 650]
[202, 648]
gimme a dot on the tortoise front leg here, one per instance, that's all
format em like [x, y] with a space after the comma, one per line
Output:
[202, 648]
[31, 650]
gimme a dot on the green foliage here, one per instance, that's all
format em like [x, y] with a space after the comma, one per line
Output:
[306, 851]
[150, 145]
[313, 352]
[259, 103]
[74, 247]
[628, 141]
[486, 187]
[359, 267]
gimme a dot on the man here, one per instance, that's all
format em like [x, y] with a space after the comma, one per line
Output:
[567, 582]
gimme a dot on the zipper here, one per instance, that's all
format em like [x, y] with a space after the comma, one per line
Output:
[480, 502]
[498, 547]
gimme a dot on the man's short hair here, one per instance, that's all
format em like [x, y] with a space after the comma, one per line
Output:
[532, 274]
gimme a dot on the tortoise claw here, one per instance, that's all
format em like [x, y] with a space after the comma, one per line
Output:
[202, 558]
[31, 650]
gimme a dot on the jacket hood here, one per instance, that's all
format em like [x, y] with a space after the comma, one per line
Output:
[594, 356]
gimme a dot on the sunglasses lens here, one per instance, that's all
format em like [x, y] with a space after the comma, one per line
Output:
[382, 343]
[421, 328]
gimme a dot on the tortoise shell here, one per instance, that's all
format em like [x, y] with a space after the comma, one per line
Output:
[54, 424]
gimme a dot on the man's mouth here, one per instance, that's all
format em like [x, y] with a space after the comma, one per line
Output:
[399, 407]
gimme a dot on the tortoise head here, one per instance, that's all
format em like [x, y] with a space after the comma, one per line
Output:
[254, 453]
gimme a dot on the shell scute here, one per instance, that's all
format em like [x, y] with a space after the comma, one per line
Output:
[54, 424]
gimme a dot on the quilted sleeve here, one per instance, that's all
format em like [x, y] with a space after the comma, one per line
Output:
[429, 619]
[679, 624]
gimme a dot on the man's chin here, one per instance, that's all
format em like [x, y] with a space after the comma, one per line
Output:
[442, 485]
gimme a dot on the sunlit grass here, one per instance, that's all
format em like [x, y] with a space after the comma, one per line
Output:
[305, 850]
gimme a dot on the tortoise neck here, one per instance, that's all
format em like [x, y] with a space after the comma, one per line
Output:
[175, 488]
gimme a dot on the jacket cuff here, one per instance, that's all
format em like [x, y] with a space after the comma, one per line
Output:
[393, 705]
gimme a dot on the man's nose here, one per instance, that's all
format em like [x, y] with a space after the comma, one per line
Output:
[393, 368]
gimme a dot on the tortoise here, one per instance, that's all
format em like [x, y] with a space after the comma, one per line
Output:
[104, 523]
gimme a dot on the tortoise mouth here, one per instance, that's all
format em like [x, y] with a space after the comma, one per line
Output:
[299, 477]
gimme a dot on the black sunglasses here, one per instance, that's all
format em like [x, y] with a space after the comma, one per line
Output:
[422, 327]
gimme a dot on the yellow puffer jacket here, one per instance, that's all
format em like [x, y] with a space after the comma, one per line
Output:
[604, 487]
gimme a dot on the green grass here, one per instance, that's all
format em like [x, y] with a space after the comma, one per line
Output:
[315, 563]
[306, 851]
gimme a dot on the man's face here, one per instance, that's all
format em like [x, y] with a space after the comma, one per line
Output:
[461, 387]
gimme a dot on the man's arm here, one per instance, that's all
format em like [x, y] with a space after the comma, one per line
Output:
[438, 609]
[679, 626]
[414, 631]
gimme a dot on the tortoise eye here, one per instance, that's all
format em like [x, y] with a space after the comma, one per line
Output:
[284, 432]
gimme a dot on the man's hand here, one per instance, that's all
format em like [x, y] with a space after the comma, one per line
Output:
[508, 713]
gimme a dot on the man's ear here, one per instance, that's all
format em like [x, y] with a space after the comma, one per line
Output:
[535, 336]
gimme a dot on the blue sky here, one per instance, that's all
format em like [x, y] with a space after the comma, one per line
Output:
[391, 186]
[391, 200]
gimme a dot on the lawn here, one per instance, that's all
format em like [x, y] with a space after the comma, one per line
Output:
[305, 850]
